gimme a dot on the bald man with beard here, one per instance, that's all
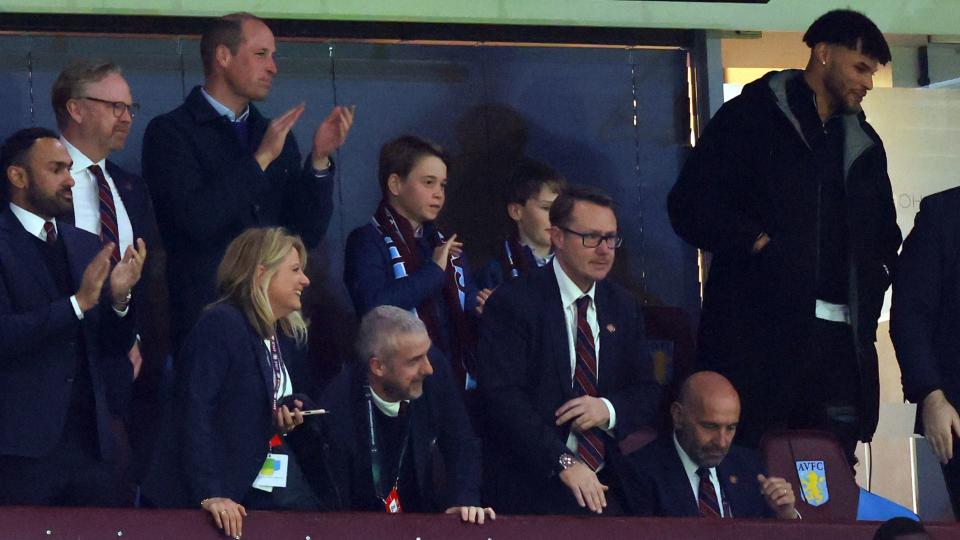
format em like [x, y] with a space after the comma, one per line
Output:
[697, 471]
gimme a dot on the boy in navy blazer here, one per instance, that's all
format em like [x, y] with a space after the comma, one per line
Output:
[532, 189]
[402, 259]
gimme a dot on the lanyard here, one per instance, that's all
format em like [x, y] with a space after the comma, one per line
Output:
[276, 366]
[376, 463]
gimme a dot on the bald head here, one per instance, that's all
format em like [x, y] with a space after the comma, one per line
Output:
[707, 386]
[705, 417]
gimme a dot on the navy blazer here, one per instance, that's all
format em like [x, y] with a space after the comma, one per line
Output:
[139, 206]
[208, 188]
[37, 363]
[438, 422]
[525, 376]
[368, 275]
[925, 314]
[219, 421]
[492, 275]
[656, 483]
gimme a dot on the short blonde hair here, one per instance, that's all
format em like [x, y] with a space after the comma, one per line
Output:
[237, 278]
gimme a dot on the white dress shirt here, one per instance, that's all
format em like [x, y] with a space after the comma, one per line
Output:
[286, 385]
[691, 469]
[86, 197]
[569, 294]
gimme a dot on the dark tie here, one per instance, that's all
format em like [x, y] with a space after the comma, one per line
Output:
[108, 213]
[709, 507]
[51, 232]
[590, 443]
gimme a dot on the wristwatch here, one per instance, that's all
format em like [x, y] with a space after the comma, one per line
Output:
[566, 461]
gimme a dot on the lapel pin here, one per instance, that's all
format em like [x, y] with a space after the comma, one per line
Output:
[611, 327]
[733, 479]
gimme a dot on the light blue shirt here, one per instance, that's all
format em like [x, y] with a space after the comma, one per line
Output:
[223, 109]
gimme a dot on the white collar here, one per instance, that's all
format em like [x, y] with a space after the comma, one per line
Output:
[569, 291]
[541, 261]
[80, 161]
[32, 222]
[389, 408]
[223, 109]
[688, 464]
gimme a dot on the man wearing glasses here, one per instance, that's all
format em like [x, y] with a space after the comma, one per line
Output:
[564, 372]
[94, 110]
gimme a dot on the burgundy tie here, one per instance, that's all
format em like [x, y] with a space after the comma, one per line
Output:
[108, 213]
[51, 232]
[707, 501]
[590, 445]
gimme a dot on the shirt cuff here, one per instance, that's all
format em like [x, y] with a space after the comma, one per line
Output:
[76, 307]
[122, 312]
[613, 415]
[324, 173]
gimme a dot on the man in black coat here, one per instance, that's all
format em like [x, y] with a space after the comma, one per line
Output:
[924, 323]
[788, 190]
[389, 416]
[696, 471]
[216, 166]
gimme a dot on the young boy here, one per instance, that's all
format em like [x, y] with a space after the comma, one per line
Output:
[402, 259]
[532, 190]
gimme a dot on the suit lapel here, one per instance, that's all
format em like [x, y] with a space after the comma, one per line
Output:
[30, 257]
[676, 486]
[263, 361]
[419, 412]
[608, 336]
[128, 196]
[556, 328]
[77, 257]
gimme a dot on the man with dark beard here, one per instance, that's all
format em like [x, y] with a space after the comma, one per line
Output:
[65, 330]
[697, 471]
[788, 189]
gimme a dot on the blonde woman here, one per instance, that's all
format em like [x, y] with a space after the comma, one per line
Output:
[222, 448]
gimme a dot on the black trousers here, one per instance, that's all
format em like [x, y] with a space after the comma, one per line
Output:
[826, 390]
[830, 395]
[71, 475]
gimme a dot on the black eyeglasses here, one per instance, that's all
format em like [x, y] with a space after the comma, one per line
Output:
[118, 106]
[591, 240]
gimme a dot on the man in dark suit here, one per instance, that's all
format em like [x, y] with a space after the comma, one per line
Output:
[216, 166]
[61, 340]
[924, 320]
[697, 472]
[94, 110]
[564, 370]
[389, 414]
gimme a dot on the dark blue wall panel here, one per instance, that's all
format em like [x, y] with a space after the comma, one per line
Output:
[615, 118]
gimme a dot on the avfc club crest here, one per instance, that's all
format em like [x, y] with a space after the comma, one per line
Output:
[813, 482]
